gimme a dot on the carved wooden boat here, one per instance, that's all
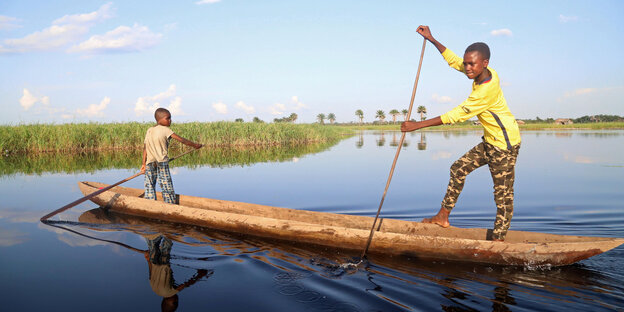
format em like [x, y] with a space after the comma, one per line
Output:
[392, 237]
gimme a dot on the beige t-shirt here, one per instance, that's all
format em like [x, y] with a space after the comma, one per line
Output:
[161, 280]
[157, 143]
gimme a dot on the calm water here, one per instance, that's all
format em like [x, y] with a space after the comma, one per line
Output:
[566, 183]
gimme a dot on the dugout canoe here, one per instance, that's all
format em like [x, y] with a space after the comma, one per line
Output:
[392, 237]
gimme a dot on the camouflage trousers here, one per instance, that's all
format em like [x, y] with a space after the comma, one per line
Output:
[502, 164]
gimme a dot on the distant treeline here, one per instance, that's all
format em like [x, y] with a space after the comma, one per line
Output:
[117, 136]
[584, 119]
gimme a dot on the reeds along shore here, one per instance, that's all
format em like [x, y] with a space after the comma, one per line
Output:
[216, 157]
[119, 136]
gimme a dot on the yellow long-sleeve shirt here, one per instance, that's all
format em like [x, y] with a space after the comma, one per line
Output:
[487, 103]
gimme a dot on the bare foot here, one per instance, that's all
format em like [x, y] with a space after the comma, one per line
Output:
[440, 219]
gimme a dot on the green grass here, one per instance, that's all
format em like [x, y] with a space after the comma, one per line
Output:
[129, 136]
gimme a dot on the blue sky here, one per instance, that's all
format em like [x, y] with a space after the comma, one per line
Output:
[79, 61]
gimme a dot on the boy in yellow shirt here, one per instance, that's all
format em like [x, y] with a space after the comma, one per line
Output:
[501, 136]
[156, 158]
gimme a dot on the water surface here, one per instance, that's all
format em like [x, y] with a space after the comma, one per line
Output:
[567, 182]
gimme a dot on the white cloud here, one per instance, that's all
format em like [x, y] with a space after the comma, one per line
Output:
[171, 27]
[28, 99]
[298, 104]
[120, 39]
[106, 11]
[65, 30]
[248, 109]
[94, 109]
[7, 22]
[207, 2]
[566, 19]
[175, 106]
[441, 99]
[501, 32]
[584, 91]
[277, 109]
[220, 107]
[581, 91]
[148, 104]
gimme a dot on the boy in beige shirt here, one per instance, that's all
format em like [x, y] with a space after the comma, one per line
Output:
[156, 159]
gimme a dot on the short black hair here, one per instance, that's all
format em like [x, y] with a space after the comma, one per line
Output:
[480, 47]
[160, 113]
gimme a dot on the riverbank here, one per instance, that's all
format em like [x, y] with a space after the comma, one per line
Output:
[532, 126]
[38, 138]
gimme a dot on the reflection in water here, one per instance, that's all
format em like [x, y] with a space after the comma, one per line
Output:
[381, 140]
[160, 273]
[210, 156]
[461, 285]
[158, 255]
[394, 142]
[422, 145]
[360, 141]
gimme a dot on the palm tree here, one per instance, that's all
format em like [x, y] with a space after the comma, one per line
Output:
[381, 115]
[331, 117]
[422, 111]
[360, 114]
[321, 118]
[394, 114]
[404, 112]
[292, 117]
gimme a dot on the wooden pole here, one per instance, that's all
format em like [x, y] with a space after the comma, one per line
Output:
[100, 191]
[396, 156]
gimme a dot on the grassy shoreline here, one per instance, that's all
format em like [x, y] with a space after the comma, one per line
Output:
[39, 138]
[215, 157]
[86, 137]
[535, 126]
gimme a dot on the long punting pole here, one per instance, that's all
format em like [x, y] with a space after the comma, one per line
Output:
[100, 191]
[396, 156]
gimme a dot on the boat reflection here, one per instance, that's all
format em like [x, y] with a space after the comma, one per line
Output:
[289, 258]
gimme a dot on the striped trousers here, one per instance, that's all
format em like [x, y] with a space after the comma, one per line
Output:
[159, 171]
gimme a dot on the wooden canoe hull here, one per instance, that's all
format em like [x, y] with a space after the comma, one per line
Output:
[393, 237]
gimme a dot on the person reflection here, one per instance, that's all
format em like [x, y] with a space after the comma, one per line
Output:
[502, 298]
[160, 274]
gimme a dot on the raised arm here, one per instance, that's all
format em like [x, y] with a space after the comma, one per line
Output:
[425, 32]
[409, 126]
[185, 141]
